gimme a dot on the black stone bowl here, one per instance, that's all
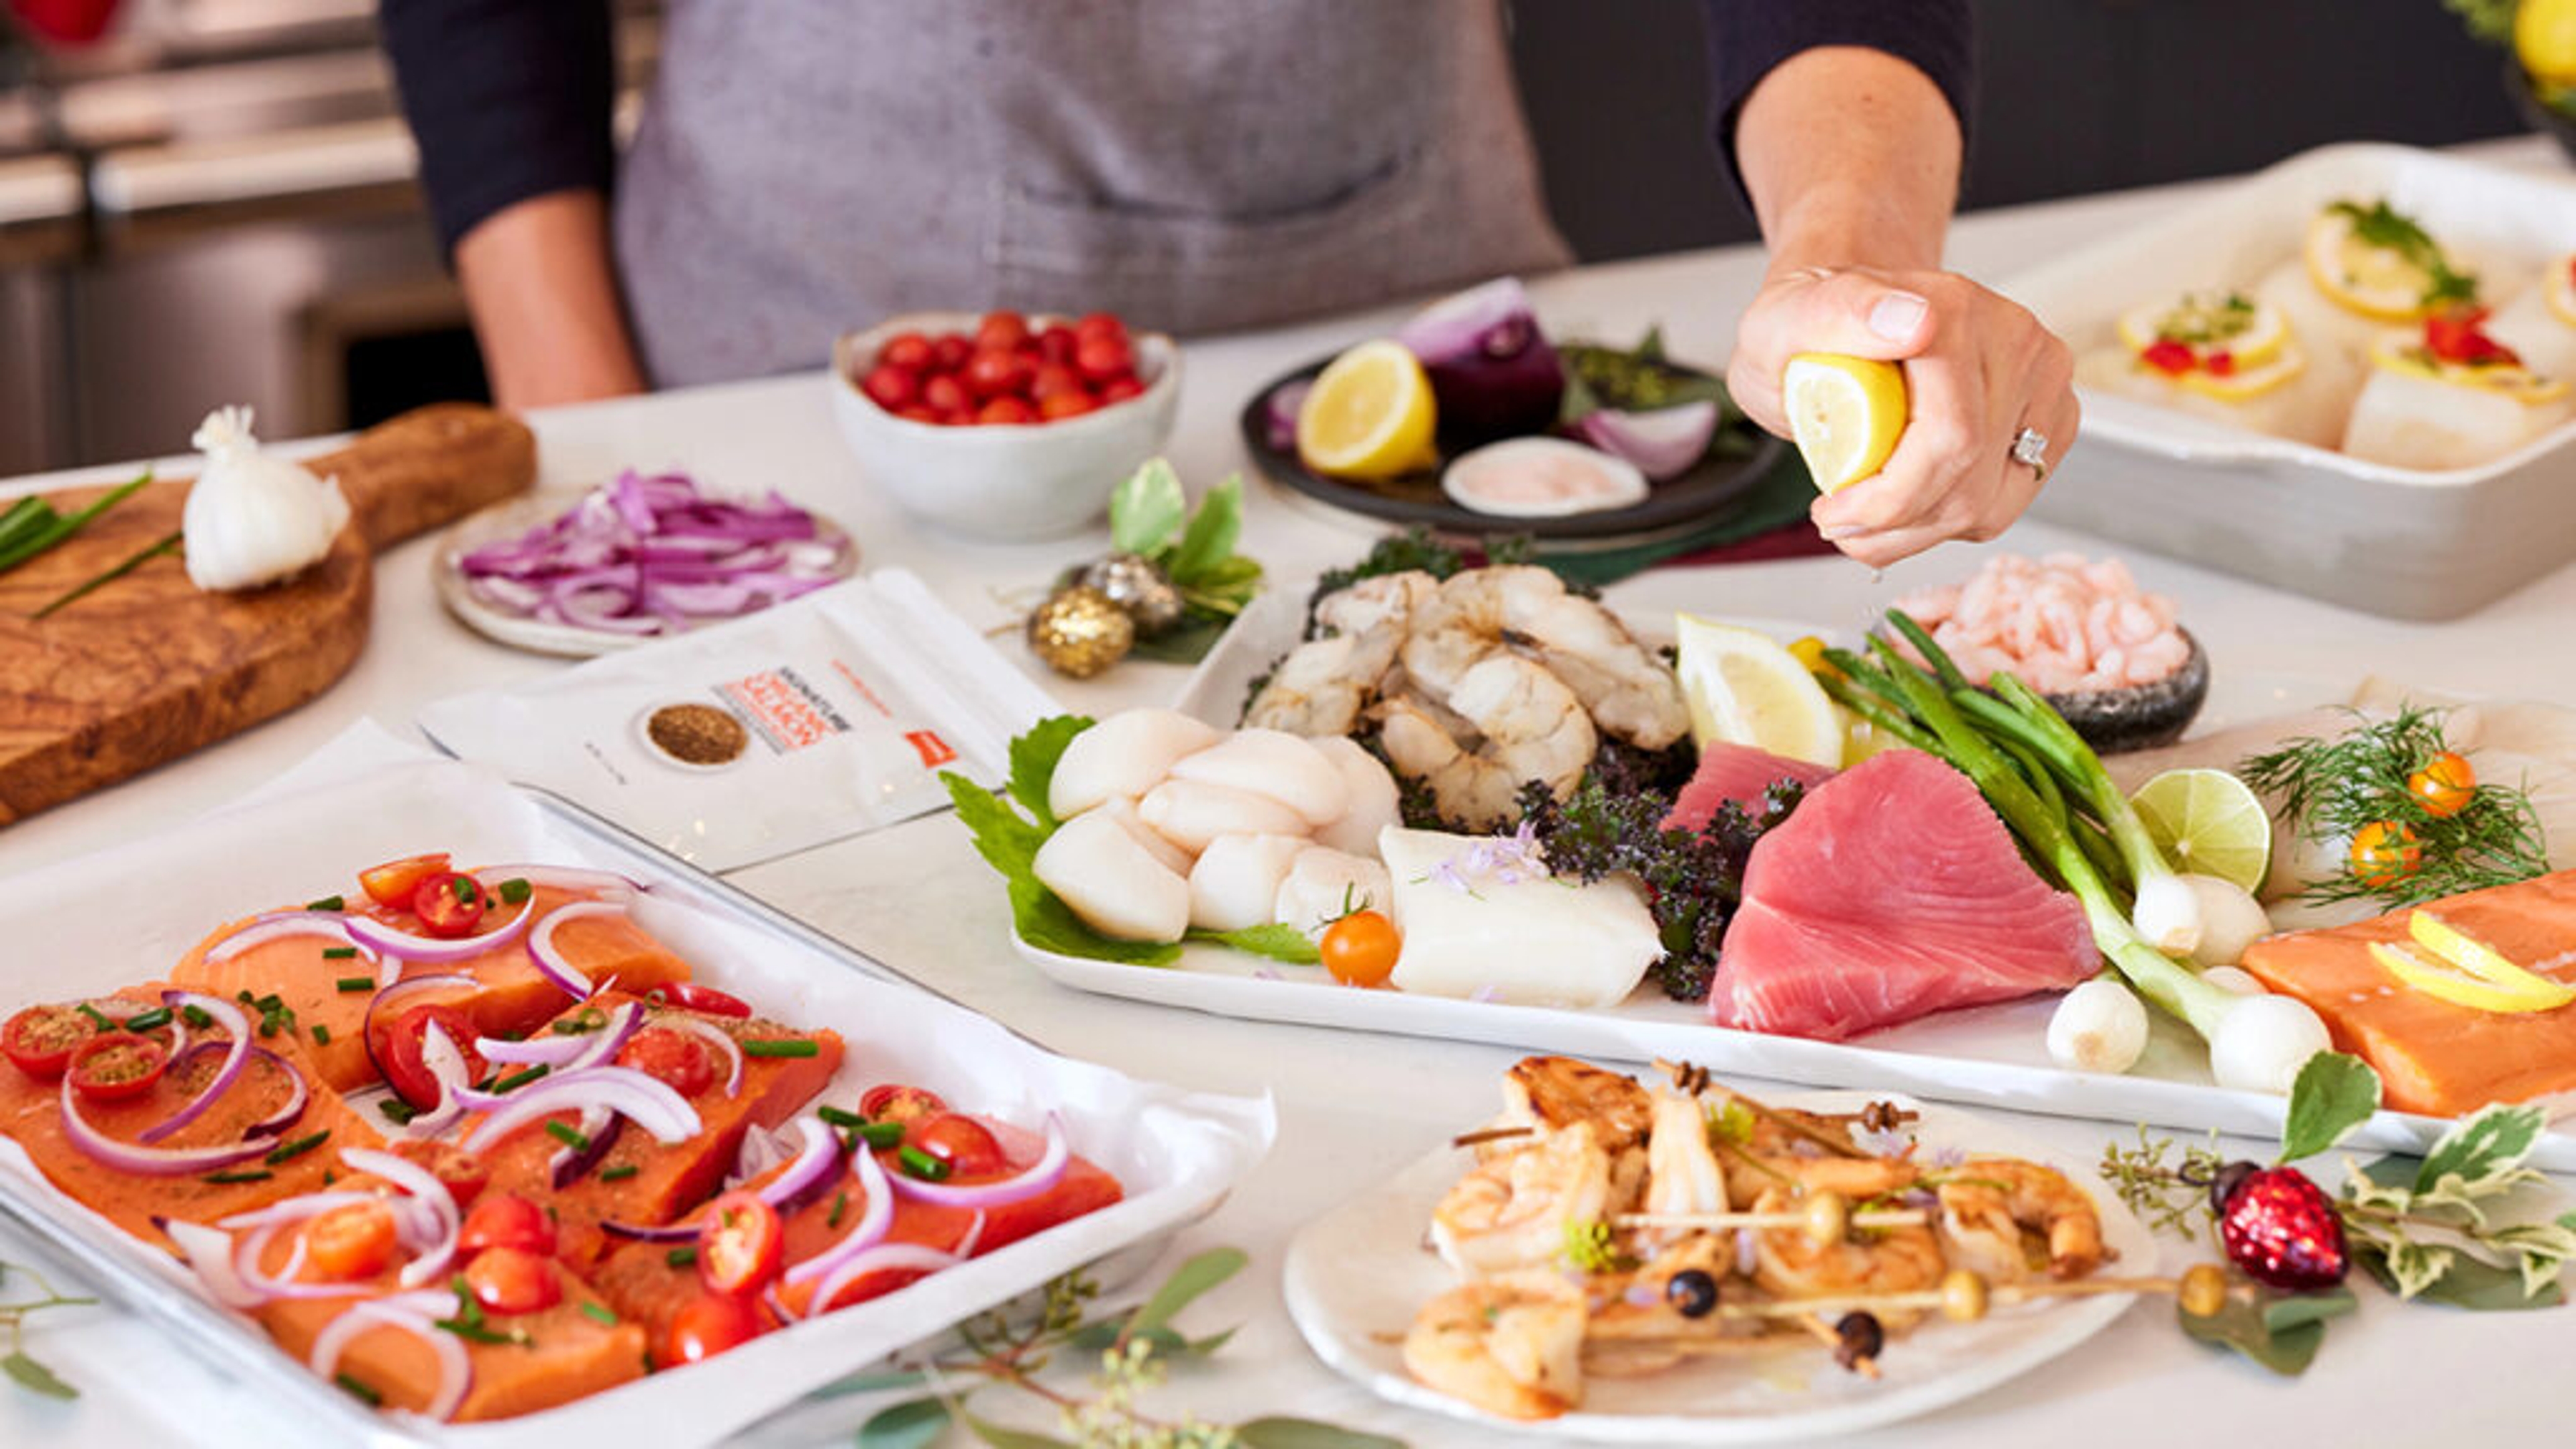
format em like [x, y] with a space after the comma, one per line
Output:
[2141, 716]
[2543, 116]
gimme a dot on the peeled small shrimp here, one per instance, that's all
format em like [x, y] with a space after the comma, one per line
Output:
[1990, 1202]
[1511, 1346]
[1512, 1211]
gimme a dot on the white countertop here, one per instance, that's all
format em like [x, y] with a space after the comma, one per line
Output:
[1352, 1107]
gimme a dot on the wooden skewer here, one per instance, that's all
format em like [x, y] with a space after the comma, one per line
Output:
[1874, 1218]
[1933, 1298]
[1831, 1337]
[1489, 1134]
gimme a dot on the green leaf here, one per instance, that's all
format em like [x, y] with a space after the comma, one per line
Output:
[2286, 1349]
[1186, 642]
[1278, 942]
[2470, 1284]
[1204, 1347]
[1146, 508]
[2285, 1311]
[2334, 1094]
[1282, 1433]
[1210, 538]
[913, 1424]
[1033, 761]
[2415, 1266]
[35, 1377]
[2492, 1142]
[876, 1383]
[1001, 1438]
[1009, 843]
[1187, 1282]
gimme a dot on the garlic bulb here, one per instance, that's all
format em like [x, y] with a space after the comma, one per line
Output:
[253, 517]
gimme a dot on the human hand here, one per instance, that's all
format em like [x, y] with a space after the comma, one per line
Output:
[1978, 369]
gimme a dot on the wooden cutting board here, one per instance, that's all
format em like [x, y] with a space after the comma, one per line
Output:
[151, 667]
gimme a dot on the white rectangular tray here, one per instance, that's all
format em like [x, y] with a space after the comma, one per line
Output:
[79, 928]
[2392, 541]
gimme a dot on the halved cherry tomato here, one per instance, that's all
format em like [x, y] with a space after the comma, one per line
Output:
[505, 1220]
[707, 1325]
[115, 1066]
[41, 1039]
[352, 1242]
[393, 883]
[462, 1173]
[706, 999]
[407, 1069]
[512, 1280]
[2445, 786]
[1360, 949]
[894, 1102]
[2383, 853]
[450, 905]
[968, 1147]
[741, 1244]
[674, 1058]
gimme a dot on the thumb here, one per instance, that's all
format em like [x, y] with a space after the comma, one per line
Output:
[1857, 315]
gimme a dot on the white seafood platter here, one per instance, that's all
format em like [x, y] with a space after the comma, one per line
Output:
[2393, 541]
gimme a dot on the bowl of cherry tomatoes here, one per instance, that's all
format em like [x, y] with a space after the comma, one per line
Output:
[1000, 426]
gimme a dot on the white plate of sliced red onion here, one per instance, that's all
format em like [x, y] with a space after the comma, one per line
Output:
[584, 571]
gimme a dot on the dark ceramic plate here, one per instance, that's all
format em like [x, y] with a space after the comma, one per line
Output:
[1731, 470]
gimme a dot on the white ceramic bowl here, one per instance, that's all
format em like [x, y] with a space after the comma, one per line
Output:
[1003, 482]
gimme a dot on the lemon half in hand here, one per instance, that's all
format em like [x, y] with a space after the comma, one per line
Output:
[1845, 414]
[1370, 415]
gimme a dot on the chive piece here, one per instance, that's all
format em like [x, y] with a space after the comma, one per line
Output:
[327, 903]
[793, 1046]
[329, 1177]
[599, 1313]
[158, 1016]
[286, 1151]
[224, 1178]
[268, 1025]
[463, 886]
[321, 1034]
[680, 1257]
[356, 983]
[166, 543]
[567, 1134]
[516, 1080]
[514, 890]
[922, 1165]
[881, 1135]
[620, 1172]
[840, 1205]
[196, 1016]
[98, 1016]
[397, 1111]
[62, 526]
[359, 1391]
[245, 998]
[838, 1118]
[338, 953]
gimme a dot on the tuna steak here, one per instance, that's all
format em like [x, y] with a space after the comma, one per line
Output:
[1892, 893]
[1737, 773]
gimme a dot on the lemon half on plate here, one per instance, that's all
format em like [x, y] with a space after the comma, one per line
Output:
[1845, 413]
[1370, 415]
[1746, 688]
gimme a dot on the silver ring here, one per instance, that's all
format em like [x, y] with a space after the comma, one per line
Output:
[2030, 446]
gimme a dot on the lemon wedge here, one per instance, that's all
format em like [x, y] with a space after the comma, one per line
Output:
[2359, 276]
[1845, 413]
[2404, 352]
[2462, 989]
[2250, 332]
[1745, 688]
[2544, 39]
[2208, 822]
[1370, 415]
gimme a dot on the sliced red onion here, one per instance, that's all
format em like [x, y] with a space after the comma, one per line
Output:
[875, 1217]
[598, 1128]
[563, 1053]
[714, 1036]
[288, 1112]
[1041, 1175]
[974, 1238]
[428, 1216]
[1663, 444]
[412, 1313]
[1279, 413]
[236, 1052]
[561, 878]
[295, 1209]
[814, 1167]
[883, 1258]
[274, 925]
[283, 1282]
[760, 1151]
[445, 1064]
[209, 1254]
[368, 931]
[1492, 371]
[550, 962]
[388, 1003]
[149, 1161]
[641, 1099]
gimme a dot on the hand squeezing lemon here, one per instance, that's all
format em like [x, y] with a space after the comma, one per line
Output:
[1845, 413]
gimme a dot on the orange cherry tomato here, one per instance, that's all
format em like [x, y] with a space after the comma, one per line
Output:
[117, 1066]
[1360, 949]
[512, 1280]
[741, 1244]
[2383, 853]
[505, 1220]
[707, 1325]
[2445, 786]
[353, 1242]
[394, 883]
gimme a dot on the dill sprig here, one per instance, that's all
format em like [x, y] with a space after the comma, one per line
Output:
[2172, 1197]
[2332, 788]
[2381, 225]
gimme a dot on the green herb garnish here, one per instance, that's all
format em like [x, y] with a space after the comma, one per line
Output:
[513, 891]
[339, 953]
[922, 1165]
[356, 983]
[516, 1080]
[288, 1151]
[620, 1172]
[840, 1205]
[880, 1135]
[196, 1016]
[327, 903]
[158, 1016]
[222, 1179]
[321, 1034]
[2380, 225]
[839, 1117]
[397, 1111]
[359, 1391]
[598, 1312]
[680, 1257]
[793, 1046]
[99, 1018]
[567, 1134]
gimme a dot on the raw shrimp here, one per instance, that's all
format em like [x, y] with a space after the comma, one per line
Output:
[1323, 685]
[1526, 610]
[1788, 1262]
[1533, 726]
[1992, 1202]
[1511, 1346]
[1512, 1211]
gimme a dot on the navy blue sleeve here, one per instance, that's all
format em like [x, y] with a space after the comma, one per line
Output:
[508, 99]
[1748, 38]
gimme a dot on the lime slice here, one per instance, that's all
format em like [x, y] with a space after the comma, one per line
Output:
[2208, 822]
[1745, 688]
[1845, 413]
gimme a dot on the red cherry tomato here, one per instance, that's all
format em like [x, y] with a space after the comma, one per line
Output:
[948, 353]
[405, 1063]
[993, 373]
[1006, 411]
[117, 1066]
[450, 905]
[1360, 949]
[945, 394]
[908, 350]
[2383, 853]
[1056, 344]
[1051, 379]
[1003, 330]
[707, 1325]
[512, 1280]
[1102, 358]
[891, 387]
[705, 1000]
[968, 1147]
[2445, 786]
[919, 414]
[352, 1242]
[505, 1220]
[1066, 405]
[462, 1173]
[1100, 324]
[394, 883]
[894, 1102]
[1119, 390]
[674, 1058]
[41, 1039]
[741, 1244]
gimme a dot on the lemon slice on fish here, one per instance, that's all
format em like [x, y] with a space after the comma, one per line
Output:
[2558, 285]
[2462, 989]
[1369, 416]
[2361, 276]
[2249, 331]
[1746, 688]
[1845, 413]
[2208, 822]
[2246, 382]
[2458, 948]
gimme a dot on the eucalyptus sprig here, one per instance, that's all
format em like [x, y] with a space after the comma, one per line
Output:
[1150, 516]
[1132, 1351]
[22, 1367]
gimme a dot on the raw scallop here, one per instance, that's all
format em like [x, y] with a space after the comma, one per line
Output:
[1190, 813]
[1236, 882]
[1325, 884]
[1282, 766]
[1128, 753]
[1375, 803]
[1112, 881]
[1509, 934]
[1541, 478]
[1123, 810]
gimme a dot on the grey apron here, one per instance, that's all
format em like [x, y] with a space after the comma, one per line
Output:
[808, 166]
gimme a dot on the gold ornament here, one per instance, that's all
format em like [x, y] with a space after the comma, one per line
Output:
[1081, 631]
[1133, 583]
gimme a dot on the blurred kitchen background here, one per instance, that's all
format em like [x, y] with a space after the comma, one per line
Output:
[214, 200]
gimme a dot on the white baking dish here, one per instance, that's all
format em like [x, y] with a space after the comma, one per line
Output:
[2392, 541]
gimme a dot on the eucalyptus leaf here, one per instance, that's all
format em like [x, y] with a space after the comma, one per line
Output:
[35, 1377]
[1283, 1433]
[2488, 1144]
[913, 1424]
[2283, 1311]
[1206, 1347]
[1210, 538]
[2470, 1284]
[1187, 1282]
[1002, 1438]
[876, 1383]
[1146, 508]
[2246, 1328]
[2334, 1094]
[1279, 943]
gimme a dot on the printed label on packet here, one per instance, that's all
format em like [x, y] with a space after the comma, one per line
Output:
[787, 711]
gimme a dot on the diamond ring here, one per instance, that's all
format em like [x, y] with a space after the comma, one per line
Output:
[2030, 446]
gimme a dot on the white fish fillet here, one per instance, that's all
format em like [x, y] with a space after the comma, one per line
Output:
[1535, 941]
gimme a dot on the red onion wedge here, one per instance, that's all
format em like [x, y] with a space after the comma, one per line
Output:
[236, 1052]
[563, 1053]
[883, 1258]
[761, 1150]
[1662, 444]
[149, 1161]
[641, 1099]
[1279, 413]
[412, 1313]
[283, 1283]
[368, 931]
[550, 961]
[209, 1254]
[1040, 1176]
[608, 884]
[875, 1217]
[1493, 374]
[274, 925]
[288, 1113]
[813, 1168]
[599, 1128]
[715, 1036]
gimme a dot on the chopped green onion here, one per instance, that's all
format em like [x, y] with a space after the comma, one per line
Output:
[513, 890]
[98, 1016]
[338, 953]
[680, 1257]
[793, 1046]
[881, 1135]
[327, 903]
[166, 543]
[356, 983]
[286, 1151]
[397, 1111]
[840, 1205]
[839, 1117]
[598, 1313]
[225, 1178]
[922, 1165]
[158, 1016]
[359, 1391]
[516, 1080]
[569, 1135]
[321, 1034]
[463, 886]
[196, 1016]
[620, 1172]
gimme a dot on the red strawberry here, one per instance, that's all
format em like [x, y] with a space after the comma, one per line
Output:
[2280, 1227]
